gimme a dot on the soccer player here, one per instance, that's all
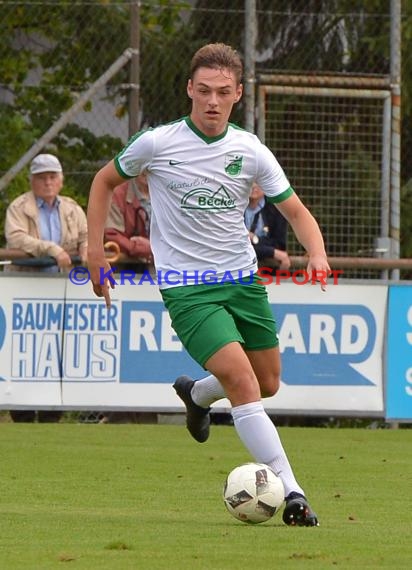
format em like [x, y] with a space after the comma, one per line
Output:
[200, 170]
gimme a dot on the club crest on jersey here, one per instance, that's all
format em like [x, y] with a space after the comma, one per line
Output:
[233, 164]
[206, 199]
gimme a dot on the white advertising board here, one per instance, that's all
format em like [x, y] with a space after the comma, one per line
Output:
[60, 346]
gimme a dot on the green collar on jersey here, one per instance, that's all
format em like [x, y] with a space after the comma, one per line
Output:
[199, 133]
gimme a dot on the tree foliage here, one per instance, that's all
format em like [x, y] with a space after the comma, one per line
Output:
[50, 53]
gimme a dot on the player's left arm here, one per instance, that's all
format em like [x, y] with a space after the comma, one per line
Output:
[273, 181]
[307, 231]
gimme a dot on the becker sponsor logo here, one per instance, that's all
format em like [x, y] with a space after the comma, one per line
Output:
[206, 199]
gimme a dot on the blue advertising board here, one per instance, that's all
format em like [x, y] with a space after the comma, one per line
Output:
[399, 354]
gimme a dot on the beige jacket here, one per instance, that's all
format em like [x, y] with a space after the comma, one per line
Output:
[22, 228]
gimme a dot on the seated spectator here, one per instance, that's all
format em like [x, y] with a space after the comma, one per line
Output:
[42, 223]
[128, 225]
[267, 228]
[128, 222]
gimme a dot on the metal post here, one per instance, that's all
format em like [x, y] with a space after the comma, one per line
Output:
[250, 58]
[395, 182]
[134, 93]
[395, 130]
[261, 123]
[383, 243]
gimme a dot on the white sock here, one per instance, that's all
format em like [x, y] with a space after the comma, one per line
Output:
[261, 438]
[206, 391]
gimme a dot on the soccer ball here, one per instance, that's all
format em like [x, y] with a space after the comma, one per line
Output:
[253, 493]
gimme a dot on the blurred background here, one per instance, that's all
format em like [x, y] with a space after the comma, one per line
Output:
[328, 87]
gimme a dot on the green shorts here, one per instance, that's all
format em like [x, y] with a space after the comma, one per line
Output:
[207, 317]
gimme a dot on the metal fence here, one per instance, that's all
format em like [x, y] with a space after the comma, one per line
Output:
[335, 146]
[336, 149]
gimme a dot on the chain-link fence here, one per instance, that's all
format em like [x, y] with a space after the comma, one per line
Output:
[53, 53]
[335, 146]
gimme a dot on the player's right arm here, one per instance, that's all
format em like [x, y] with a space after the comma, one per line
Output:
[106, 179]
[129, 163]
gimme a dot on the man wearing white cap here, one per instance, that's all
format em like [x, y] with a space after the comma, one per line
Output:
[43, 223]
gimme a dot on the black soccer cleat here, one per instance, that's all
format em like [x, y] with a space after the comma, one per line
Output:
[298, 512]
[197, 418]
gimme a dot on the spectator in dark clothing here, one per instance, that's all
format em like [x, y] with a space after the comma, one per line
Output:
[267, 228]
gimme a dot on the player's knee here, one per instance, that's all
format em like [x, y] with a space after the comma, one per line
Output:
[240, 387]
[270, 385]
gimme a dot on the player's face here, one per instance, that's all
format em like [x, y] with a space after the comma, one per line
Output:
[47, 185]
[213, 93]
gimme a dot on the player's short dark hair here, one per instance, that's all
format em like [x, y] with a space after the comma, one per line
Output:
[217, 56]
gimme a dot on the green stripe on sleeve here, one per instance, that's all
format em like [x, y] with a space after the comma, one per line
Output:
[280, 197]
[119, 169]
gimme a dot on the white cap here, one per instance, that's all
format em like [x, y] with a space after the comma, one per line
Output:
[45, 163]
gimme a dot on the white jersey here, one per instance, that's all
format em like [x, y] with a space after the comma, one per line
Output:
[199, 189]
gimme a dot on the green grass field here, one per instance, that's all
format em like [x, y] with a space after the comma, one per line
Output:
[98, 497]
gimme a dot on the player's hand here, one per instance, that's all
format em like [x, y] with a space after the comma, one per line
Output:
[318, 269]
[100, 272]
